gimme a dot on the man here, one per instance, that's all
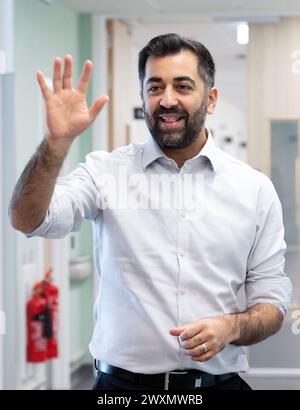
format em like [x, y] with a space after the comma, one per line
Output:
[173, 258]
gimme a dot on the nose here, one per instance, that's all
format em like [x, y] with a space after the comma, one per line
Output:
[169, 98]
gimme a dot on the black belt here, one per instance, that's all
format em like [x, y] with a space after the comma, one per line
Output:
[175, 380]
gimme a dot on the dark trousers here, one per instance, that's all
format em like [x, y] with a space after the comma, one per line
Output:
[109, 382]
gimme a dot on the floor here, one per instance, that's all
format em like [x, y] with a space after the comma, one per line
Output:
[264, 383]
[83, 378]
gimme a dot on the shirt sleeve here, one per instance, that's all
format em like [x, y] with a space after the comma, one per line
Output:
[74, 198]
[266, 281]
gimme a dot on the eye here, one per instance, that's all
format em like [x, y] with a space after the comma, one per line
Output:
[154, 89]
[184, 87]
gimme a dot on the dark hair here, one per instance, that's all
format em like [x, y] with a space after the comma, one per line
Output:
[171, 43]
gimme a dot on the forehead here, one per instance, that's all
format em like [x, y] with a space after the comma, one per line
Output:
[184, 63]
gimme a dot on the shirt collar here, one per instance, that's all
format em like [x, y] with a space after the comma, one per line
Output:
[152, 152]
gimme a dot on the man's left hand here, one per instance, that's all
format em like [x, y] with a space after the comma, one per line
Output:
[205, 338]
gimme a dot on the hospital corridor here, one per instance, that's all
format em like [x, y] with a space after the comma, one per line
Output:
[103, 105]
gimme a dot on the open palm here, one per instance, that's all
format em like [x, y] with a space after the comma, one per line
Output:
[67, 112]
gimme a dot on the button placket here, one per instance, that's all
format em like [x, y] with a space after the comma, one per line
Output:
[183, 243]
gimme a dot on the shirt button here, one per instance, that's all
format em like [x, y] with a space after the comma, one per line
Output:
[182, 291]
[182, 253]
[183, 214]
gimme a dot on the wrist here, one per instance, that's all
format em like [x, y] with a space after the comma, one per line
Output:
[51, 155]
[59, 147]
[233, 327]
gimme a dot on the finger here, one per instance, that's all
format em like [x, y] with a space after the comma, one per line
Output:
[196, 351]
[84, 79]
[42, 83]
[97, 107]
[57, 75]
[67, 77]
[176, 331]
[192, 342]
[191, 331]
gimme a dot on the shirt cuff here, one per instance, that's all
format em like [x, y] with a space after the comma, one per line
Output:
[42, 229]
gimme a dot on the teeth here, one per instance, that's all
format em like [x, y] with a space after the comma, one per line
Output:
[170, 118]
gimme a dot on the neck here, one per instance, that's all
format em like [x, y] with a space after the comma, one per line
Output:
[180, 155]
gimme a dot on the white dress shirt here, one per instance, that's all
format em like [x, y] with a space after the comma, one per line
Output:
[166, 263]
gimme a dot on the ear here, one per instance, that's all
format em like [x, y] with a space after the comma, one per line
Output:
[141, 95]
[212, 100]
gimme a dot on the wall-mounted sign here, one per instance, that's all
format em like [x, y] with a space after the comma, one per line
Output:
[138, 113]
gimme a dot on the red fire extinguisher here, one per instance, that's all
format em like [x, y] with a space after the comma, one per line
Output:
[42, 321]
[50, 292]
[36, 338]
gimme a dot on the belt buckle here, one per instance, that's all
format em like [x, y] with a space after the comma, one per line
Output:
[167, 377]
[198, 382]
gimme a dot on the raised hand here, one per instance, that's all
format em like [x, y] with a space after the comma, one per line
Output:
[67, 112]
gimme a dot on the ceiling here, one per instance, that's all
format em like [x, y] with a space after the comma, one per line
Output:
[252, 10]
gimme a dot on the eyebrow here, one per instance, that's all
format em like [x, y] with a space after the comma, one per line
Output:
[154, 80]
[185, 78]
[176, 79]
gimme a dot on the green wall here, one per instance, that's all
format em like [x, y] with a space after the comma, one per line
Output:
[81, 292]
[43, 32]
[85, 142]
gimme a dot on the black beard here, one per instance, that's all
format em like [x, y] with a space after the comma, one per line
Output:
[182, 137]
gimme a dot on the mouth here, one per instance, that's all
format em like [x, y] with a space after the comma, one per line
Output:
[171, 120]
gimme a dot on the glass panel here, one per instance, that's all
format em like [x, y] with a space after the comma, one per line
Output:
[284, 151]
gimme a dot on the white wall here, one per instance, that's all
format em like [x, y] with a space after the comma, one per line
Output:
[6, 32]
[6, 66]
[139, 130]
[100, 80]
[229, 120]
[121, 87]
[273, 83]
[273, 94]
[2, 312]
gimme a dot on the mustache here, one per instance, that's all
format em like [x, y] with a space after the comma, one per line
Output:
[172, 110]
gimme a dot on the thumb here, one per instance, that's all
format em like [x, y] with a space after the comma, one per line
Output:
[97, 107]
[176, 331]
